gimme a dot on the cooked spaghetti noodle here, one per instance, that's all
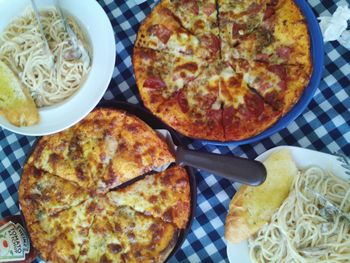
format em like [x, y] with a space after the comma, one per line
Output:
[305, 229]
[50, 75]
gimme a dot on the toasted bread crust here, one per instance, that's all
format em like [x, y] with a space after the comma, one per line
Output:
[252, 207]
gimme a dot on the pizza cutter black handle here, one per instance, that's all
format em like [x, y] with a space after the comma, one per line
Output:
[233, 168]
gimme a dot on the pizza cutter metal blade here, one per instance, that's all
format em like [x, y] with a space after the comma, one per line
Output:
[233, 168]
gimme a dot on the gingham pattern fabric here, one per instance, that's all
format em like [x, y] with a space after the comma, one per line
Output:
[323, 126]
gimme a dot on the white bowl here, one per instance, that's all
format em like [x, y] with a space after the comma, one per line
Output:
[90, 15]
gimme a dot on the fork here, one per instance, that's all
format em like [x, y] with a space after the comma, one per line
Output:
[329, 207]
[37, 16]
[344, 160]
[76, 49]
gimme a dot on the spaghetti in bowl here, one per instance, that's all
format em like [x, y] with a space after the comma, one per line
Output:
[88, 78]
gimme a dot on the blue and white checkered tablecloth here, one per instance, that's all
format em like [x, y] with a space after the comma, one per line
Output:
[324, 126]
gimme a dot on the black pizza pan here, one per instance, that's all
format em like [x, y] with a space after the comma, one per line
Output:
[154, 123]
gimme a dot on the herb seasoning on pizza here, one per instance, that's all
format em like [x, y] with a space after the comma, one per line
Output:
[222, 70]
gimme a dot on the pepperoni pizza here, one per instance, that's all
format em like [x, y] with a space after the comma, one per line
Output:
[222, 69]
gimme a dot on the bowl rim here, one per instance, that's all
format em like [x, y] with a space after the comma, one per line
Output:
[105, 63]
[317, 58]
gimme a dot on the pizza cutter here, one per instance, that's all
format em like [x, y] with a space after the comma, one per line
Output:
[241, 170]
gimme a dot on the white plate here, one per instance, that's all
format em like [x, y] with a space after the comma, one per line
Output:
[304, 158]
[96, 24]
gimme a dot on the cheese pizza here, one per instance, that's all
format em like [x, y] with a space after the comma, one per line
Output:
[74, 210]
[250, 63]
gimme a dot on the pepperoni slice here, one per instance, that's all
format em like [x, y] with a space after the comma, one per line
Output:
[262, 57]
[190, 66]
[270, 11]
[182, 101]
[154, 83]
[284, 52]
[191, 5]
[253, 9]
[209, 9]
[254, 103]
[212, 42]
[147, 54]
[228, 115]
[279, 70]
[161, 32]
[236, 29]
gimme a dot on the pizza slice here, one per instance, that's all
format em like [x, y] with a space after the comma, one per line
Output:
[280, 85]
[43, 193]
[200, 18]
[60, 237]
[164, 195]
[238, 19]
[245, 113]
[140, 150]
[161, 73]
[282, 37]
[195, 110]
[82, 151]
[162, 30]
[120, 234]
[291, 41]
[51, 154]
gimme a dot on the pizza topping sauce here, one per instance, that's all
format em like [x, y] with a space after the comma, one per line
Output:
[161, 32]
[228, 116]
[215, 115]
